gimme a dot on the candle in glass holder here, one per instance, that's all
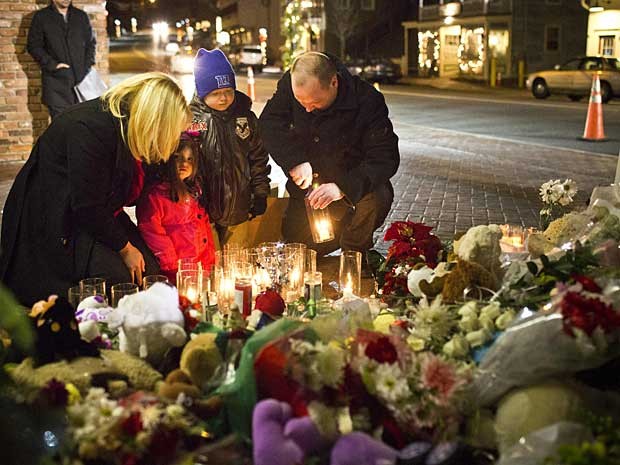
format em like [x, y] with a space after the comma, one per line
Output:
[320, 223]
[243, 296]
[313, 291]
[350, 273]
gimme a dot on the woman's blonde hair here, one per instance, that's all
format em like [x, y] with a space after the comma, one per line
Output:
[155, 112]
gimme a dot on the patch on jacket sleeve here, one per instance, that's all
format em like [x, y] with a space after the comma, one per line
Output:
[242, 127]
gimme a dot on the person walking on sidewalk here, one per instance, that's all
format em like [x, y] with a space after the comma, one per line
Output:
[61, 40]
[322, 120]
[233, 161]
[63, 218]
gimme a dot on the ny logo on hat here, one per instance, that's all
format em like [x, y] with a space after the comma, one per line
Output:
[223, 80]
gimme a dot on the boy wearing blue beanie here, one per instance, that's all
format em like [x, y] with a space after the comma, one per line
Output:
[233, 161]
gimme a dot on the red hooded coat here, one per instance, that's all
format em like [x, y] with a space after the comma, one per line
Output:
[174, 230]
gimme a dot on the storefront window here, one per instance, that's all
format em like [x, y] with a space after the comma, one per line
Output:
[428, 58]
[471, 51]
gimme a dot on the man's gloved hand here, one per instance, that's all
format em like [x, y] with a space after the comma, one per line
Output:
[258, 207]
[302, 175]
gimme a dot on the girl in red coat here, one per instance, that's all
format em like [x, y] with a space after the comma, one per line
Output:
[171, 220]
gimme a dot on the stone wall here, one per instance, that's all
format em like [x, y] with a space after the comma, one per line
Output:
[22, 115]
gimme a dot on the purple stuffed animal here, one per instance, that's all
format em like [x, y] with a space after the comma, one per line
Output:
[282, 440]
[279, 439]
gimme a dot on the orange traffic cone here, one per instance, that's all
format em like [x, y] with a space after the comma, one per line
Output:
[251, 91]
[594, 131]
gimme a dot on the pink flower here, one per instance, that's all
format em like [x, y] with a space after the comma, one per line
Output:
[440, 377]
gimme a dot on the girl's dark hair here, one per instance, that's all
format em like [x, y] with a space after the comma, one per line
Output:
[181, 189]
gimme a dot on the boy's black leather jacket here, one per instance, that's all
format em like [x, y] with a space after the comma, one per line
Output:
[232, 159]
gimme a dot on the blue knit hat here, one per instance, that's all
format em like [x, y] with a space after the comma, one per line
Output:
[212, 71]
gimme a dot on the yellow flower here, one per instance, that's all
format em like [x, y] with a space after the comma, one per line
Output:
[417, 344]
[74, 394]
[382, 323]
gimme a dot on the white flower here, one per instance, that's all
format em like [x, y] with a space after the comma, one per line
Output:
[390, 383]
[434, 320]
[456, 347]
[504, 320]
[492, 310]
[330, 363]
[547, 192]
[415, 343]
[478, 338]
[469, 323]
[325, 419]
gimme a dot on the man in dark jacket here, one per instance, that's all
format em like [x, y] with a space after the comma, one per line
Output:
[323, 121]
[61, 40]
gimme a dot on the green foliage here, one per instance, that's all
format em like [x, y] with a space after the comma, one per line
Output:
[535, 287]
[603, 450]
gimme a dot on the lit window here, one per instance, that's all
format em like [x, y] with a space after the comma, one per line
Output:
[552, 38]
[606, 46]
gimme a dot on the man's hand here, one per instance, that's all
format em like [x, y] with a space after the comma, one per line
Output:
[134, 261]
[325, 194]
[62, 65]
[302, 175]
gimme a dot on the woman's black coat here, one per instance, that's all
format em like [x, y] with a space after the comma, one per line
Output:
[51, 40]
[63, 199]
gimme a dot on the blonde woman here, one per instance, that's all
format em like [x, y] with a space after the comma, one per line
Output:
[64, 218]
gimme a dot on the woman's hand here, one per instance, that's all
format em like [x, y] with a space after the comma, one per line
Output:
[134, 261]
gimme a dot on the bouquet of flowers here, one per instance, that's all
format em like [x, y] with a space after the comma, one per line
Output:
[412, 243]
[139, 429]
[578, 330]
[376, 383]
[556, 196]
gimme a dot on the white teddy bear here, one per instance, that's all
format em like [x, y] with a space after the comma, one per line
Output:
[150, 322]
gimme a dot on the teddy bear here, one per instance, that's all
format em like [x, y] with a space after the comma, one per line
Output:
[480, 245]
[200, 360]
[149, 323]
[57, 334]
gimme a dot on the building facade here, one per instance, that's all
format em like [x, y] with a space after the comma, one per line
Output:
[476, 37]
[353, 28]
[604, 28]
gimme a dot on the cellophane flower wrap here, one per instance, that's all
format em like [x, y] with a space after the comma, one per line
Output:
[578, 330]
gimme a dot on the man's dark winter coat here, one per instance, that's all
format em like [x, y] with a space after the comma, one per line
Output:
[352, 143]
[51, 40]
[233, 160]
[63, 200]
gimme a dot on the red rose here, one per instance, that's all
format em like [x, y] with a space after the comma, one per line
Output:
[132, 425]
[588, 284]
[270, 302]
[381, 350]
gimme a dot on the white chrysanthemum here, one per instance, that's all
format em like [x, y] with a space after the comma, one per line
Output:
[432, 320]
[547, 193]
[391, 384]
[330, 362]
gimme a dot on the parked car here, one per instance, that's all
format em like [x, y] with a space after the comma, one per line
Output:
[247, 55]
[374, 69]
[574, 78]
[183, 61]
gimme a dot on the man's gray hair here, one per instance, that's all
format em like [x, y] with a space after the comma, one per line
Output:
[313, 64]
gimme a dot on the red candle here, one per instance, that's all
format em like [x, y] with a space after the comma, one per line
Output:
[243, 296]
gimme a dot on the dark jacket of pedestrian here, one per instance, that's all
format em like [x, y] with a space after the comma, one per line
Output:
[234, 162]
[52, 40]
[352, 143]
[63, 218]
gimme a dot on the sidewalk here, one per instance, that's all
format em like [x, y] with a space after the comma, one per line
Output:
[462, 85]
